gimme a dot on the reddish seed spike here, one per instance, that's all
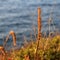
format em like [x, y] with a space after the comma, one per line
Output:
[39, 23]
[39, 33]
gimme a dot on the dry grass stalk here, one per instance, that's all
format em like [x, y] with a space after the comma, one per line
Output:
[39, 32]
[47, 43]
[2, 53]
[2, 50]
[12, 33]
[25, 41]
[34, 30]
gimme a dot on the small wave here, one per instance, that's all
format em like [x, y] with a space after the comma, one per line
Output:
[43, 5]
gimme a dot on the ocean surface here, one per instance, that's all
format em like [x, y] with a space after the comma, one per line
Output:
[21, 17]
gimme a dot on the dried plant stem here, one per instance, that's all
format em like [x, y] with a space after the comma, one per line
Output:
[2, 53]
[34, 30]
[12, 33]
[2, 50]
[25, 41]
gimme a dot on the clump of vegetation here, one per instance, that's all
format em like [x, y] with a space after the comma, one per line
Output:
[49, 49]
